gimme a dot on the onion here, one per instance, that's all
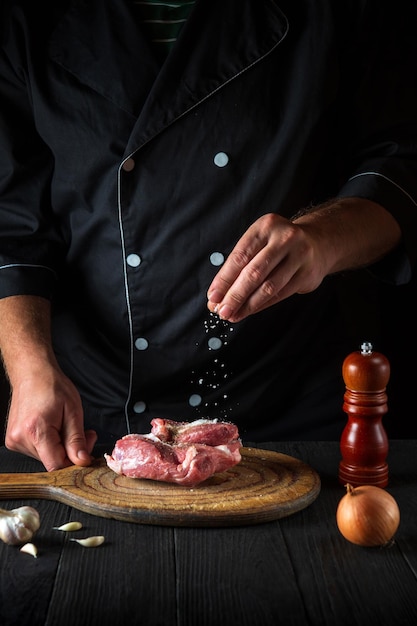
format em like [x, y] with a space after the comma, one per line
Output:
[368, 516]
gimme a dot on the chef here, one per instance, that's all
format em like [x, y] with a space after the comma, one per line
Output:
[176, 220]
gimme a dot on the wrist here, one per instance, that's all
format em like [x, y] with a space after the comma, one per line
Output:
[351, 232]
[25, 337]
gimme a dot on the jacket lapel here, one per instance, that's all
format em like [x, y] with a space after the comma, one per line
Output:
[99, 42]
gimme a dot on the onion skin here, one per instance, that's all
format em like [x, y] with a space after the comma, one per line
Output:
[368, 516]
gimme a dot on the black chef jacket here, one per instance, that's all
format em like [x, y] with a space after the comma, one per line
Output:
[124, 186]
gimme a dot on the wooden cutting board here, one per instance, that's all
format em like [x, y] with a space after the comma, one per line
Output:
[264, 486]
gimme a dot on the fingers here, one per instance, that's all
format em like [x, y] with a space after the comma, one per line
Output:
[90, 438]
[254, 273]
[247, 266]
[254, 291]
[51, 452]
[251, 291]
[56, 451]
[76, 443]
[79, 444]
[272, 261]
[41, 443]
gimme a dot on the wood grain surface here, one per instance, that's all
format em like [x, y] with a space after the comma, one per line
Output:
[264, 486]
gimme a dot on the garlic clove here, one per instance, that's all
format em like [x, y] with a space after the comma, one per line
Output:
[30, 548]
[90, 542]
[69, 526]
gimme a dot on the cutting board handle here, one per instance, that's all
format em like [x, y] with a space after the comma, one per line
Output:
[34, 484]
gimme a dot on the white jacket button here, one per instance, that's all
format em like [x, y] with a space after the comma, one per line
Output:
[221, 159]
[195, 399]
[141, 343]
[216, 258]
[133, 260]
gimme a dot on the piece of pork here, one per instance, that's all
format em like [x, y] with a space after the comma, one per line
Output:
[180, 460]
[210, 432]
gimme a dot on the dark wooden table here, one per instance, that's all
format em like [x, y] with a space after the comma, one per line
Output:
[295, 571]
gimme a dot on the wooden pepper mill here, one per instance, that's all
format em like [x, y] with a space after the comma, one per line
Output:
[364, 442]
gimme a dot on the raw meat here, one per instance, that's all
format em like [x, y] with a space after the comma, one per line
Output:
[178, 452]
[208, 432]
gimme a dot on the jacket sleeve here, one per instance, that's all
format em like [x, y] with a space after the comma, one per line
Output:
[381, 125]
[30, 246]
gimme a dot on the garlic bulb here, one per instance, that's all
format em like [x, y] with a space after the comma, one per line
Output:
[18, 525]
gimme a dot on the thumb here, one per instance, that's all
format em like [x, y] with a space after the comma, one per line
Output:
[90, 438]
[78, 447]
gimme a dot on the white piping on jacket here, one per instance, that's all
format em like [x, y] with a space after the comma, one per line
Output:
[389, 180]
[9, 265]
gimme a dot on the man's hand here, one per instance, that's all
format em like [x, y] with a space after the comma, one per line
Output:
[46, 421]
[46, 417]
[277, 258]
[273, 260]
